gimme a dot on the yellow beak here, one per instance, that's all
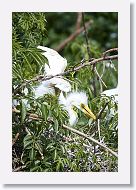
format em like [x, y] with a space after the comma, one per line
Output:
[88, 112]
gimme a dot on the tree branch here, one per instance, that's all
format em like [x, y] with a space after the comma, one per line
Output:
[30, 115]
[72, 36]
[99, 129]
[86, 37]
[79, 19]
[91, 139]
[15, 139]
[102, 110]
[109, 51]
[44, 78]
[19, 169]
[99, 77]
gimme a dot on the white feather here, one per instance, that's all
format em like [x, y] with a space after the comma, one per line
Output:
[56, 63]
[112, 92]
[61, 83]
[73, 99]
[44, 88]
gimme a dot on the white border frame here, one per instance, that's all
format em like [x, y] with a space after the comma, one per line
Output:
[123, 174]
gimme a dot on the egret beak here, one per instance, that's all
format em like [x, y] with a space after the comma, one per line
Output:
[87, 111]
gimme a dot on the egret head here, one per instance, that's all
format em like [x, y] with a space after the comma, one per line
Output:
[78, 100]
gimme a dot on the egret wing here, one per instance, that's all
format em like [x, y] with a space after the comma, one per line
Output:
[43, 89]
[57, 63]
[61, 83]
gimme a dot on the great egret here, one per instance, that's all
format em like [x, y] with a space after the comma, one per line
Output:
[78, 100]
[56, 65]
[112, 92]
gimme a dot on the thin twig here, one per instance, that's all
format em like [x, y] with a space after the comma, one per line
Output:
[109, 51]
[91, 139]
[94, 82]
[86, 37]
[19, 168]
[102, 110]
[15, 110]
[15, 139]
[44, 78]
[79, 19]
[99, 77]
[30, 115]
[99, 130]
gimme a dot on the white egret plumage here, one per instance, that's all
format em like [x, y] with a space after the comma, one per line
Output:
[56, 65]
[48, 86]
[112, 92]
[78, 100]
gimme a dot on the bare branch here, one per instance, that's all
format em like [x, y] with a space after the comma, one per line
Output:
[109, 51]
[15, 139]
[91, 139]
[15, 110]
[30, 115]
[72, 36]
[19, 168]
[99, 129]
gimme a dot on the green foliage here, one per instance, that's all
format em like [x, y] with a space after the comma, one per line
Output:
[43, 144]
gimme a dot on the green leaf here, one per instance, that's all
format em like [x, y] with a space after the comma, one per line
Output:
[23, 111]
[36, 168]
[44, 111]
[27, 143]
[39, 148]
[51, 146]
[32, 154]
[56, 125]
[37, 162]
[28, 137]
[17, 71]
[58, 166]
[55, 154]
[38, 58]
[63, 149]
[27, 61]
